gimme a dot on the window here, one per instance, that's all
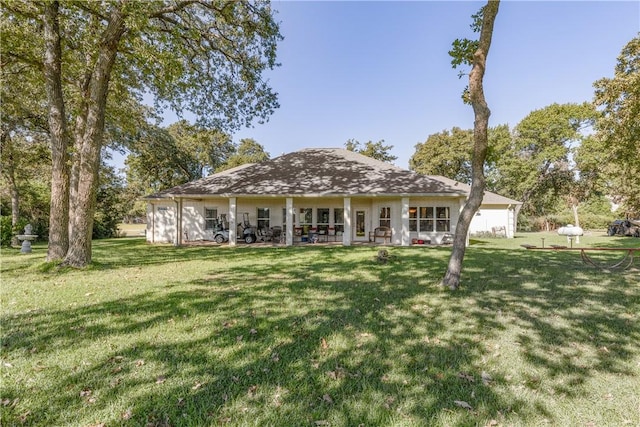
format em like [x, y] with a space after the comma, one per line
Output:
[443, 222]
[306, 219]
[323, 219]
[413, 219]
[263, 218]
[426, 218]
[210, 219]
[338, 219]
[385, 217]
[429, 218]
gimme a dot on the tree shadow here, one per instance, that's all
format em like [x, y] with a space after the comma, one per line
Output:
[327, 336]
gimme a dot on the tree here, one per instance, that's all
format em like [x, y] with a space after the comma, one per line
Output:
[537, 167]
[375, 150]
[183, 152]
[249, 151]
[206, 57]
[445, 153]
[615, 151]
[484, 21]
[448, 153]
[25, 163]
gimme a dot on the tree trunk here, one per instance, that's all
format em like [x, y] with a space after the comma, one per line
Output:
[9, 171]
[480, 144]
[78, 132]
[88, 155]
[576, 218]
[59, 212]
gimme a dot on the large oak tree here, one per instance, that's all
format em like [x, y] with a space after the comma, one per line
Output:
[206, 57]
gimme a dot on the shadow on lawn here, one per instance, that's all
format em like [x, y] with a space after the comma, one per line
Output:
[318, 338]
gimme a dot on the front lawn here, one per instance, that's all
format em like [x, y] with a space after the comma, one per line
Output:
[320, 336]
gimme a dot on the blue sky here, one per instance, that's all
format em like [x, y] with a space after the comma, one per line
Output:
[381, 70]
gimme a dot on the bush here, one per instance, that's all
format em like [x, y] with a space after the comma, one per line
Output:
[9, 232]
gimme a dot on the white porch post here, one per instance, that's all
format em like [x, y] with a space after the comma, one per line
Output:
[232, 221]
[289, 222]
[405, 239]
[346, 236]
[178, 239]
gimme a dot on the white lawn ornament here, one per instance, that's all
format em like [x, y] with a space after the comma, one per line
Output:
[570, 231]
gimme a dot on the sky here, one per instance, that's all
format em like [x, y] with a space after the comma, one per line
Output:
[374, 71]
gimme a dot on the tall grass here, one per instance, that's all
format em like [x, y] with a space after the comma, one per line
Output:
[320, 336]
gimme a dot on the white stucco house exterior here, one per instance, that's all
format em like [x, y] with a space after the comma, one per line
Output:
[338, 193]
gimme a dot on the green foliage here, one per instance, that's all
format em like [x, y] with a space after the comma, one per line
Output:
[536, 164]
[110, 207]
[6, 231]
[163, 158]
[616, 151]
[249, 151]
[375, 150]
[448, 153]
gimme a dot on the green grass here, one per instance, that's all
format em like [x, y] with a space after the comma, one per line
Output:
[131, 230]
[320, 336]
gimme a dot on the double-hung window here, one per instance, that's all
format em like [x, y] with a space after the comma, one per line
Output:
[443, 221]
[323, 219]
[210, 218]
[306, 219]
[263, 218]
[338, 219]
[385, 217]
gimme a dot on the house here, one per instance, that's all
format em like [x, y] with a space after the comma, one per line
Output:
[335, 193]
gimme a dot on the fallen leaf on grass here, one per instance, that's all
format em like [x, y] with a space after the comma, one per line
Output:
[23, 417]
[491, 423]
[486, 378]
[126, 415]
[466, 376]
[327, 398]
[85, 392]
[9, 402]
[139, 362]
[196, 386]
[161, 379]
[253, 331]
[323, 344]
[463, 404]
[252, 390]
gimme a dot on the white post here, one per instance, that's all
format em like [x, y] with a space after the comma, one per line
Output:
[346, 235]
[405, 236]
[232, 221]
[289, 221]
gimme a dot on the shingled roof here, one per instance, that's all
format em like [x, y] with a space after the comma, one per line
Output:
[317, 172]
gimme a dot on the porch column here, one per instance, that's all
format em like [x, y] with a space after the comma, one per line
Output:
[346, 236]
[289, 221]
[232, 221]
[153, 224]
[178, 240]
[405, 239]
